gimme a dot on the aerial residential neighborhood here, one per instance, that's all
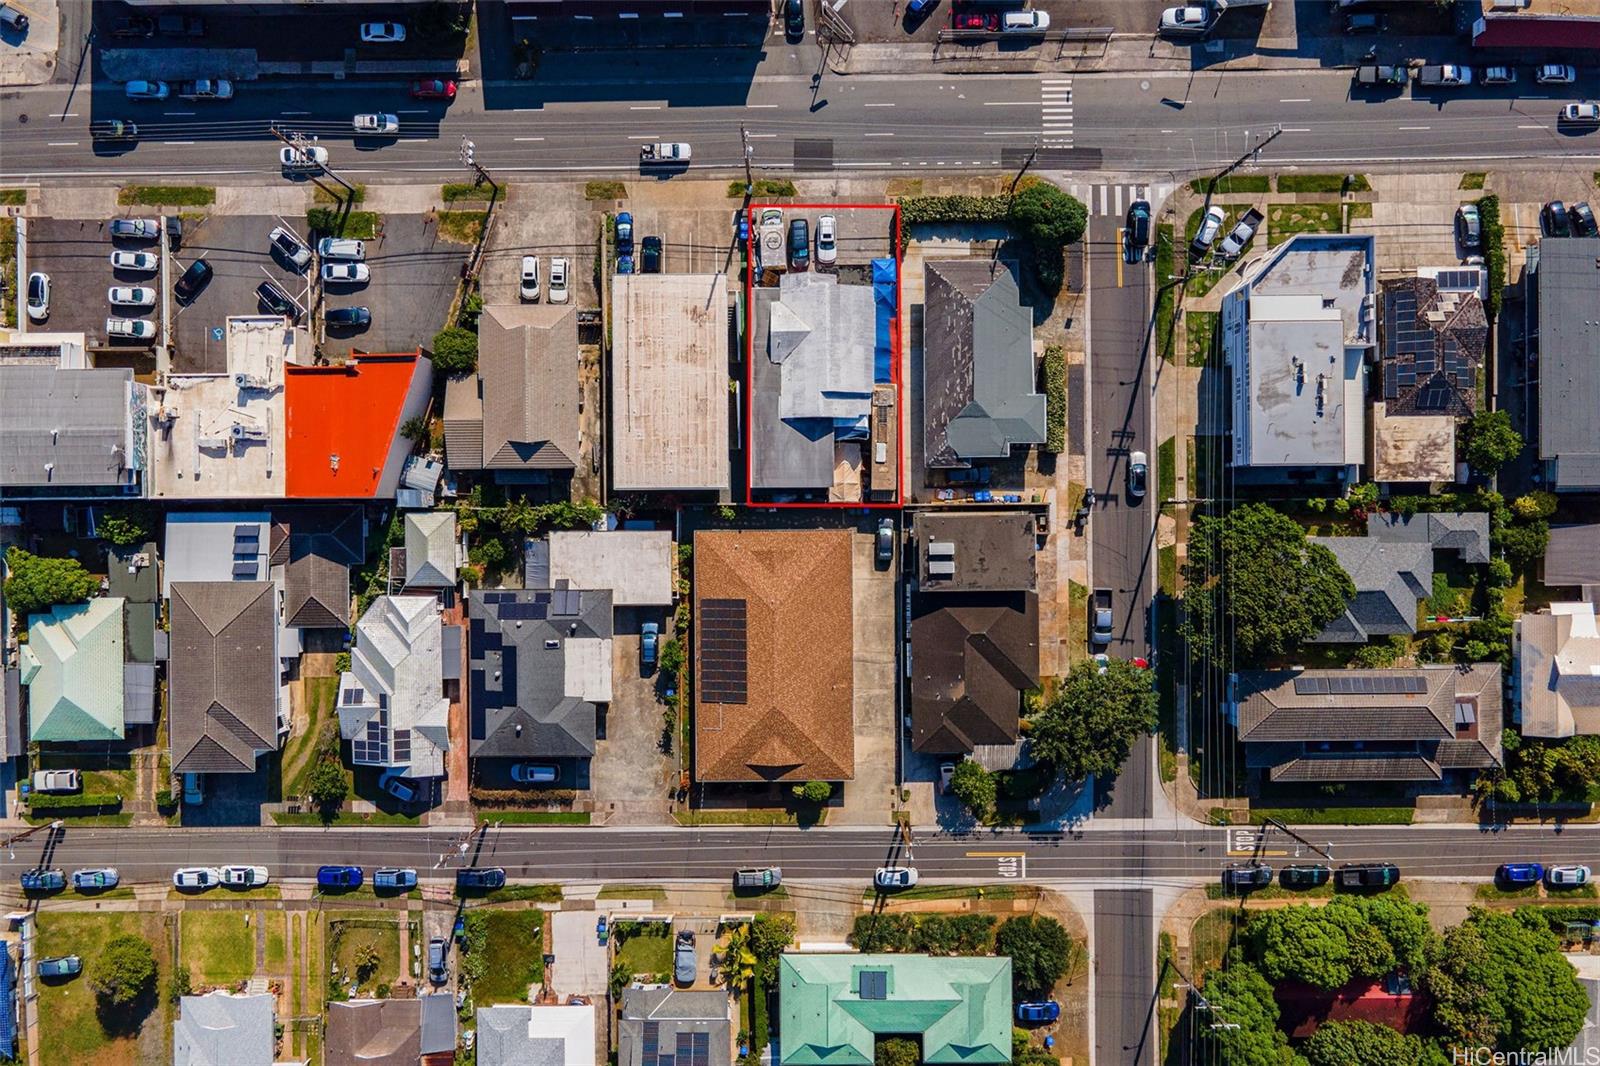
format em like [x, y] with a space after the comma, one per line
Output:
[799, 532]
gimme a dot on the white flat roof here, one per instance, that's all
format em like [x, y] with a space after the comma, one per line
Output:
[635, 564]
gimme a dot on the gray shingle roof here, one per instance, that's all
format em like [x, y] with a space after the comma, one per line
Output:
[672, 1011]
[65, 428]
[1463, 532]
[521, 411]
[1568, 281]
[224, 675]
[316, 587]
[220, 1029]
[1390, 577]
[1573, 556]
[1357, 768]
[972, 657]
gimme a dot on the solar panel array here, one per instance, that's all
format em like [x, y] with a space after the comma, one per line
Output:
[1459, 280]
[246, 548]
[1361, 685]
[373, 746]
[874, 984]
[724, 651]
[1414, 352]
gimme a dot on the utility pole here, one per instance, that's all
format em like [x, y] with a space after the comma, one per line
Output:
[1298, 839]
[1251, 153]
[469, 160]
[12, 841]
[749, 151]
[1026, 163]
[302, 147]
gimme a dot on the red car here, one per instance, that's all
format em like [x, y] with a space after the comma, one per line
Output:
[977, 20]
[433, 89]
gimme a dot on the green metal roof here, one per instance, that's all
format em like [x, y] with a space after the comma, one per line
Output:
[960, 1006]
[72, 665]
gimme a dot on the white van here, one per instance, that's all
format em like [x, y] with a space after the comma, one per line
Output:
[342, 248]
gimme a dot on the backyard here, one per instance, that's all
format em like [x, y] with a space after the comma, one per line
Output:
[69, 1024]
[644, 947]
[364, 955]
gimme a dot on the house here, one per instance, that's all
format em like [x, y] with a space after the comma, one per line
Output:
[217, 546]
[1392, 568]
[430, 551]
[691, 1026]
[224, 686]
[343, 424]
[1557, 675]
[392, 706]
[392, 1032]
[773, 656]
[1572, 558]
[517, 416]
[1313, 727]
[637, 565]
[1303, 1007]
[669, 409]
[974, 629]
[73, 667]
[224, 1029]
[833, 1006]
[536, 1035]
[539, 661]
[71, 433]
[316, 547]
[1296, 333]
[812, 385]
[979, 386]
[1565, 339]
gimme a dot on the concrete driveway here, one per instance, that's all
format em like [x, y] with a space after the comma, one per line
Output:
[581, 964]
[630, 772]
[76, 254]
[237, 249]
[868, 798]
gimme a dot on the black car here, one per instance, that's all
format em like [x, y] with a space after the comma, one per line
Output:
[1359, 24]
[133, 26]
[174, 225]
[1311, 876]
[1138, 230]
[481, 877]
[197, 277]
[1582, 220]
[794, 19]
[1244, 876]
[349, 317]
[275, 301]
[182, 26]
[1554, 220]
[650, 255]
[799, 244]
[1368, 875]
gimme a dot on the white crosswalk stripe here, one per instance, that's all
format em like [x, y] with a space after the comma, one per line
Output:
[1112, 200]
[1055, 113]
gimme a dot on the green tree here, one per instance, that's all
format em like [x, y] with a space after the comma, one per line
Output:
[813, 791]
[1251, 1037]
[328, 785]
[128, 525]
[455, 350]
[1255, 585]
[37, 583]
[973, 786]
[1403, 923]
[1362, 1044]
[671, 657]
[415, 429]
[897, 1051]
[1535, 504]
[1488, 442]
[124, 973]
[770, 933]
[1040, 950]
[1047, 216]
[1090, 724]
[1323, 946]
[1523, 543]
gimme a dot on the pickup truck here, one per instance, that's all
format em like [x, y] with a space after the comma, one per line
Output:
[1240, 235]
[1381, 74]
[1100, 617]
[206, 89]
[664, 152]
[1444, 75]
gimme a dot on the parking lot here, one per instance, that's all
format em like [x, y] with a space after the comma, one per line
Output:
[76, 254]
[237, 249]
[569, 227]
[414, 276]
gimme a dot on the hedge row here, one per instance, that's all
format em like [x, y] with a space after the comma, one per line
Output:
[83, 800]
[1558, 917]
[935, 934]
[516, 797]
[1494, 246]
[1055, 399]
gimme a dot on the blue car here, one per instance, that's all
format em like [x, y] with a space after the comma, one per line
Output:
[649, 641]
[42, 880]
[338, 877]
[624, 233]
[60, 966]
[917, 7]
[624, 264]
[1039, 1013]
[481, 877]
[1520, 873]
[394, 879]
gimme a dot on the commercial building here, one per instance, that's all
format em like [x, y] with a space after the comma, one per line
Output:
[71, 433]
[1565, 341]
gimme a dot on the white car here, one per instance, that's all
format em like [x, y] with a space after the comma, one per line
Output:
[147, 90]
[1210, 226]
[376, 124]
[201, 877]
[56, 781]
[290, 246]
[131, 296]
[38, 296]
[1556, 74]
[827, 241]
[244, 876]
[348, 273]
[947, 774]
[895, 876]
[1185, 21]
[1500, 75]
[1588, 112]
[140, 262]
[558, 280]
[1025, 21]
[530, 278]
[139, 329]
[382, 33]
[341, 248]
[1566, 876]
[311, 157]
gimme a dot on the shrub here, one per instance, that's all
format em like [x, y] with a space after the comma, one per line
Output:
[1047, 216]
[973, 786]
[1055, 399]
[37, 583]
[1535, 504]
[328, 785]
[814, 791]
[489, 553]
[517, 797]
[341, 662]
[127, 526]
[180, 984]
[455, 350]
[1040, 950]
[125, 972]
[99, 801]
[672, 657]
[883, 932]
[166, 800]
[1494, 249]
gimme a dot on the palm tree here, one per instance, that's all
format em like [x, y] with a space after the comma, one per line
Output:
[738, 961]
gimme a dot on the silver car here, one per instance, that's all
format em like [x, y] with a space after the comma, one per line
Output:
[244, 876]
[889, 877]
[197, 877]
[145, 229]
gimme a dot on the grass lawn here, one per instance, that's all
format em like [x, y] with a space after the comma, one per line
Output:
[515, 950]
[1472, 180]
[1285, 220]
[1333, 815]
[13, 197]
[1493, 891]
[1201, 327]
[277, 925]
[605, 190]
[463, 227]
[343, 818]
[264, 892]
[465, 190]
[1166, 472]
[647, 952]
[219, 947]
[8, 254]
[334, 222]
[958, 892]
[1165, 290]
[163, 195]
[1210, 938]
[751, 817]
[652, 892]
[1167, 568]
[70, 1029]
[535, 817]
[320, 693]
[1235, 183]
[1355, 211]
[351, 935]
[323, 196]
[537, 893]
[1321, 183]
[763, 187]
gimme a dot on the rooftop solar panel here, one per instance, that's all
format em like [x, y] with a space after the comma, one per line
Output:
[724, 652]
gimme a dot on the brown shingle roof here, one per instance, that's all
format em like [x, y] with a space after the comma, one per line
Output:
[224, 685]
[796, 718]
[972, 657]
[1271, 709]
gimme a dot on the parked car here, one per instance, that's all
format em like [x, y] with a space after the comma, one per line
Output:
[438, 953]
[1242, 233]
[652, 256]
[799, 244]
[397, 786]
[302, 157]
[338, 877]
[1519, 873]
[1566, 876]
[1368, 875]
[38, 296]
[1553, 219]
[1029, 21]
[174, 227]
[96, 879]
[206, 89]
[891, 877]
[947, 774]
[559, 266]
[1138, 474]
[1499, 75]
[40, 879]
[649, 640]
[1555, 74]
[113, 129]
[133, 26]
[345, 273]
[199, 878]
[288, 245]
[147, 90]
[1305, 875]
[138, 262]
[1356, 25]
[976, 20]
[528, 288]
[794, 19]
[382, 33]
[683, 966]
[143, 229]
[342, 248]
[827, 242]
[1585, 112]
[244, 876]
[57, 966]
[194, 790]
[376, 124]
[1210, 226]
[1184, 22]
[885, 541]
[1582, 220]
[57, 781]
[433, 89]
[1244, 876]
[758, 878]
[394, 879]
[131, 296]
[349, 317]
[193, 280]
[275, 301]
[535, 773]
[1136, 231]
[139, 329]
[624, 232]
[1469, 228]
[481, 877]
[1041, 1012]
[182, 26]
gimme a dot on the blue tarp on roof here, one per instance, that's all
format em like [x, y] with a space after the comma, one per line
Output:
[883, 286]
[8, 1005]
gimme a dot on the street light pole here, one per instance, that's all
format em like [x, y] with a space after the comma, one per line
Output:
[469, 159]
[749, 151]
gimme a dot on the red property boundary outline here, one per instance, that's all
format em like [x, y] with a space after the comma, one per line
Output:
[901, 410]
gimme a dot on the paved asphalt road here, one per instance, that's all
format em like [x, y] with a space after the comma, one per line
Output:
[1125, 977]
